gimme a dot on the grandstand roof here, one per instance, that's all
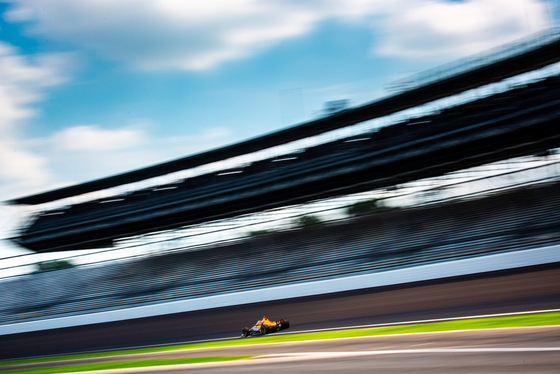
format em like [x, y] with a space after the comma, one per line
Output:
[479, 75]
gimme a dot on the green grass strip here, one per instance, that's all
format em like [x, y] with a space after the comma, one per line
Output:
[536, 319]
[126, 364]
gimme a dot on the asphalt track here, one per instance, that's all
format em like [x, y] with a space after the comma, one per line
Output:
[534, 288]
[518, 350]
[505, 350]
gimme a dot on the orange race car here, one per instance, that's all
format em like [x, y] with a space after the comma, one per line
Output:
[265, 326]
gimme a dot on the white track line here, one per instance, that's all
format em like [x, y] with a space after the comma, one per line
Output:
[413, 351]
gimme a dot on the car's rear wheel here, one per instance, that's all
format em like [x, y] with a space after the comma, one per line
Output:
[283, 324]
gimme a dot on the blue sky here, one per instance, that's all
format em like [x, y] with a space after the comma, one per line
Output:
[92, 88]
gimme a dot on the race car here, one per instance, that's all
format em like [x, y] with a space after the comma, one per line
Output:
[265, 326]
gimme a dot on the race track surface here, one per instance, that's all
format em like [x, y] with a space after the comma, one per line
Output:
[506, 350]
[533, 288]
[457, 352]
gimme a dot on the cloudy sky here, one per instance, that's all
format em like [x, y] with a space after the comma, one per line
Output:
[92, 88]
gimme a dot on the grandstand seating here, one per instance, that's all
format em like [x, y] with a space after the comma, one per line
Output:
[522, 218]
[371, 161]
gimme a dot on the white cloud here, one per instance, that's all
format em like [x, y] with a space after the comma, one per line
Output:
[22, 84]
[94, 138]
[439, 29]
[197, 35]
[20, 165]
[152, 34]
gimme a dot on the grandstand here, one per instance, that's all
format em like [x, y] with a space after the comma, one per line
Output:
[520, 122]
